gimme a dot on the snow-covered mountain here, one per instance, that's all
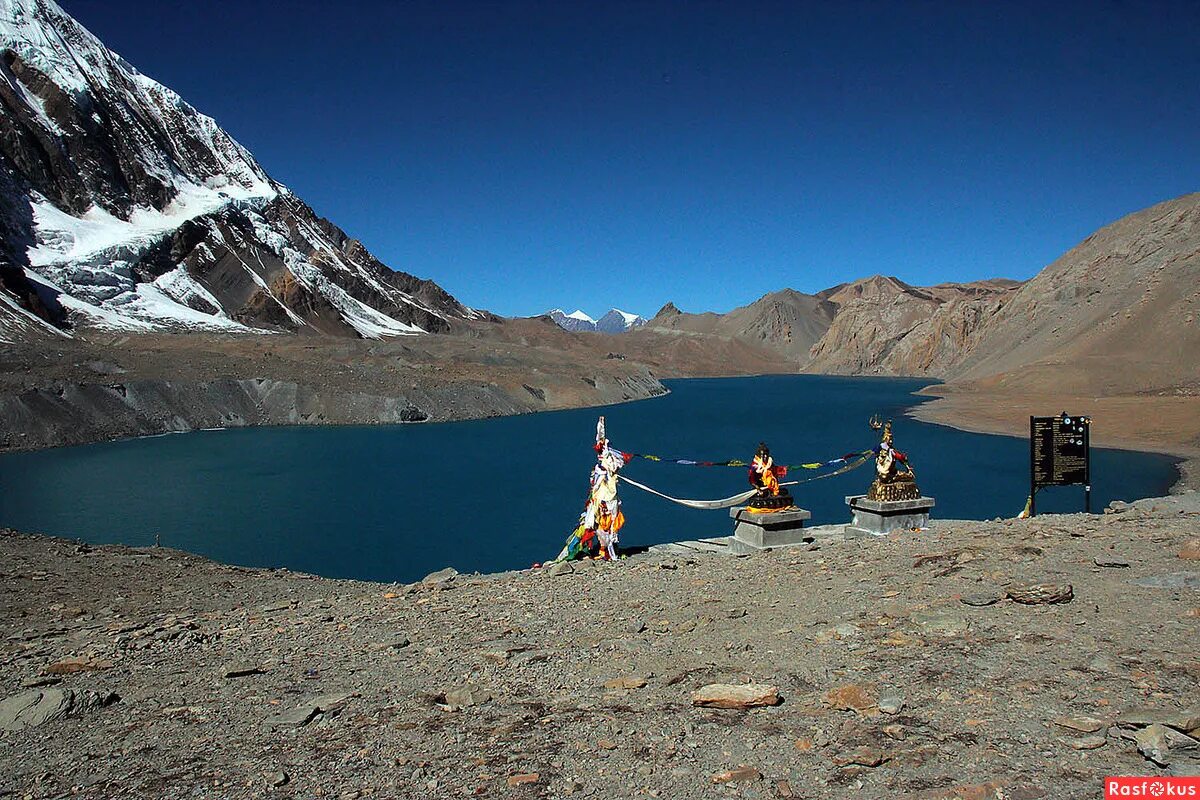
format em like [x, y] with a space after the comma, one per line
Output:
[123, 207]
[614, 321]
[575, 321]
[618, 321]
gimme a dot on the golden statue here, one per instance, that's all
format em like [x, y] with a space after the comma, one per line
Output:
[890, 482]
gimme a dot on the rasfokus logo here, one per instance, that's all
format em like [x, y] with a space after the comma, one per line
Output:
[1165, 787]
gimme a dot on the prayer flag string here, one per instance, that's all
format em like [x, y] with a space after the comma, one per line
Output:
[735, 462]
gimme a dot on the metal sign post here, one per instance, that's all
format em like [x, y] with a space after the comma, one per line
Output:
[1060, 455]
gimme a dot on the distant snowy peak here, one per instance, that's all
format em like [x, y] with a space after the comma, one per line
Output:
[575, 321]
[123, 207]
[618, 321]
[615, 321]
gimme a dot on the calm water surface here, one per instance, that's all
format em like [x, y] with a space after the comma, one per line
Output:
[396, 502]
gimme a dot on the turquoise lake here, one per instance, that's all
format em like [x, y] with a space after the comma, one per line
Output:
[394, 503]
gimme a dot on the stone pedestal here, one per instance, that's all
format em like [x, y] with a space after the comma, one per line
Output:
[880, 517]
[752, 532]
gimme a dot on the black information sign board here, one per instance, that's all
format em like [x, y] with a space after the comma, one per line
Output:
[1059, 455]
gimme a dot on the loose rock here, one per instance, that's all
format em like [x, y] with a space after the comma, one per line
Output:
[1081, 724]
[1087, 742]
[241, 670]
[738, 775]
[940, 623]
[747, 695]
[852, 697]
[464, 697]
[862, 757]
[41, 706]
[987, 598]
[69, 666]
[1041, 593]
[442, 576]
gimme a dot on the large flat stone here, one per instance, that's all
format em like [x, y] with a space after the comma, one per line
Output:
[40, 706]
[725, 695]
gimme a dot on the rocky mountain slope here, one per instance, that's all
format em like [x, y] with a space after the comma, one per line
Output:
[1119, 312]
[1110, 327]
[577, 320]
[883, 326]
[786, 322]
[617, 321]
[874, 326]
[74, 390]
[124, 208]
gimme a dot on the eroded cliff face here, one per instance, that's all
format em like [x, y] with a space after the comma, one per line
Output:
[883, 326]
[84, 413]
[63, 390]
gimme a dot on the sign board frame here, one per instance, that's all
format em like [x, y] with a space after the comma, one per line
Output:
[1060, 454]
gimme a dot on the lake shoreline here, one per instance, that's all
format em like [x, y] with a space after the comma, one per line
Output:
[282, 489]
[1006, 414]
[87, 392]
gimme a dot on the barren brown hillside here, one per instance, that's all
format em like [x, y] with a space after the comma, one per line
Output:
[1115, 314]
[787, 323]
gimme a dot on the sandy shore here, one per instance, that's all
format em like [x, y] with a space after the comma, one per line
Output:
[1149, 423]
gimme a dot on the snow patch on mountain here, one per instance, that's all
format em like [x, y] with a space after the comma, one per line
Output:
[97, 235]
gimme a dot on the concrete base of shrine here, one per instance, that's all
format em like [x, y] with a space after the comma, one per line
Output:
[753, 532]
[881, 517]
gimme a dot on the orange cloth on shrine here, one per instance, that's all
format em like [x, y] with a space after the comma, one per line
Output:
[753, 510]
[609, 523]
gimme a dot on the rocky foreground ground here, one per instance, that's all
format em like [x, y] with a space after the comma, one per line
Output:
[899, 667]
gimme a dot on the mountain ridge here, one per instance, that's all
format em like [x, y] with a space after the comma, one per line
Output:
[612, 321]
[126, 208]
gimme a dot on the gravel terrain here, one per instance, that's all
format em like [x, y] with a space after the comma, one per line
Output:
[898, 667]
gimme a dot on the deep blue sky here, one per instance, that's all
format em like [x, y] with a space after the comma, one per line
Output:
[533, 155]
